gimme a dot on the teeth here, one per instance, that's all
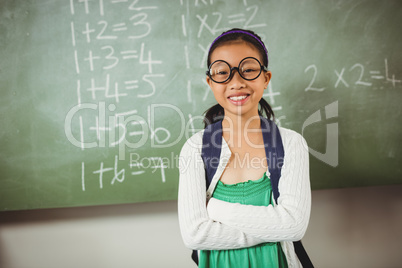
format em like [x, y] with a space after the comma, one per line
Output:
[238, 98]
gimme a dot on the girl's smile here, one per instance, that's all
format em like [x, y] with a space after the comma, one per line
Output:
[239, 99]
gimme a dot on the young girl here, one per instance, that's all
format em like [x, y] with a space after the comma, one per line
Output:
[237, 221]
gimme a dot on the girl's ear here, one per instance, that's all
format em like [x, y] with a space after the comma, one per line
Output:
[209, 81]
[267, 76]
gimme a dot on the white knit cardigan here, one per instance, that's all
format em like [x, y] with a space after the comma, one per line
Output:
[210, 224]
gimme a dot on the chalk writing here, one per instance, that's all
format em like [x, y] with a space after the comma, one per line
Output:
[109, 175]
[355, 75]
[309, 87]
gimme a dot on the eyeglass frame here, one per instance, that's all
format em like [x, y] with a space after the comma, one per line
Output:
[262, 68]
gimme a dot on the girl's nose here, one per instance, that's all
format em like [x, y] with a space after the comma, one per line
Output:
[236, 82]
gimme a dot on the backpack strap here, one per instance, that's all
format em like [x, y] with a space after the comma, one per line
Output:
[274, 153]
[194, 256]
[302, 255]
[211, 149]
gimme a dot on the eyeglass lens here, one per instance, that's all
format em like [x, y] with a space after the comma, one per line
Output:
[249, 69]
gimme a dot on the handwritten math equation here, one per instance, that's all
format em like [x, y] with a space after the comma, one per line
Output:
[102, 49]
[365, 78]
[109, 173]
[104, 52]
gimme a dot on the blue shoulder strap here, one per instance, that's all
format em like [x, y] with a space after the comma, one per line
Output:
[212, 145]
[274, 153]
[211, 149]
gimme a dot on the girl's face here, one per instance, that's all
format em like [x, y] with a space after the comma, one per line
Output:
[238, 96]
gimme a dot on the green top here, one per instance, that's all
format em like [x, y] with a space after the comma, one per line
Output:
[257, 193]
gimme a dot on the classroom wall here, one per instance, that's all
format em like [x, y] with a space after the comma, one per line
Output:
[354, 227]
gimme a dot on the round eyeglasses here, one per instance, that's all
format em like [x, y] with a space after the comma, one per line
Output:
[249, 69]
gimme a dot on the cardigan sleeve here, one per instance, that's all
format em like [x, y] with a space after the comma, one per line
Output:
[286, 221]
[198, 230]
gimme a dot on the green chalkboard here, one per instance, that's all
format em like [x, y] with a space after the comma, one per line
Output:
[97, 97]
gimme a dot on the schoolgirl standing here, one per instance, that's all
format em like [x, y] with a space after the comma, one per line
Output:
[231, 209]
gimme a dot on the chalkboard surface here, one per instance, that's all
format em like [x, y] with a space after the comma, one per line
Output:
[97, 97]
